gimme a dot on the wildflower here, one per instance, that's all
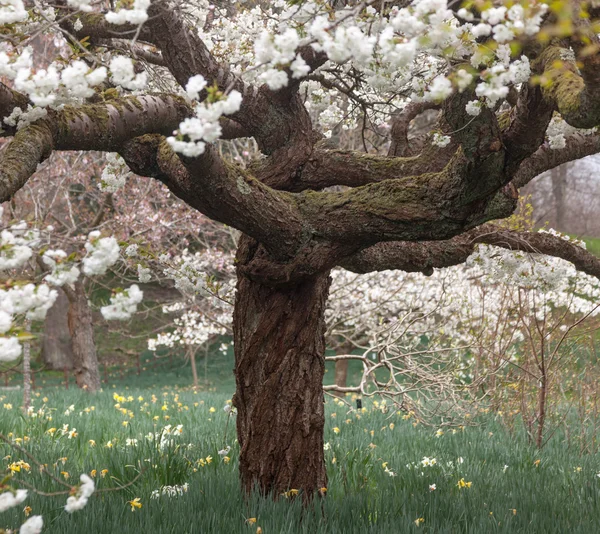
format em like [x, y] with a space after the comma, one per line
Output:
[514, 511]
[51, 431]
[432, 487]
[439, 433]
[258, 530]
[323, 491]
[462, 484]
[226, 408]
[212, 409]
[135, 503]
[93, 473]
[336, 430]
[225, 451]
[537, 463]
[65, 474]
[577, 469]
[251, 520]
[8, 406]
[391, 426]
[327, 446]
[73, 433]
[226, 459]
[103, 473]
[290, 493]
[109, 445]
[27, 511]
[419, 521]
[208, 459]
[504, 468]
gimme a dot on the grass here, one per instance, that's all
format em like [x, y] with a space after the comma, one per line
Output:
[560, 493]
[593, 245]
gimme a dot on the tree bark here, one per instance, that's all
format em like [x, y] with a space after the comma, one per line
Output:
[82, 334]
[57, 351]
[279, 368]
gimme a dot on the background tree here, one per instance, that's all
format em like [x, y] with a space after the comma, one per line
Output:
[307, 206]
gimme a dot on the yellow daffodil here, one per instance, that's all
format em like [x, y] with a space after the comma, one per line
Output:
[135, 503]
[27, 511]
[419, 521]
[463, 484]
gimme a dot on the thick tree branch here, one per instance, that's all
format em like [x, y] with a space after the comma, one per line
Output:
[424, 257]
[103, 127]
[545, 158]
[19, 160]
[222, 191]
[574, 91]
[399, 145]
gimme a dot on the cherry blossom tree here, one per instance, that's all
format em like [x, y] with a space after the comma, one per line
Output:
[160, 82]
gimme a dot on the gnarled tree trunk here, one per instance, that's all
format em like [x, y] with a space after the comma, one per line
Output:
[279, 368]
[82, 334]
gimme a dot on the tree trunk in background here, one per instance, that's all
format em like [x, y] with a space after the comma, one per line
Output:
[559, 185]
[341, 376]
[85, 361]
[192, 353]
[57, 351]
[27, 370]
[279, 368]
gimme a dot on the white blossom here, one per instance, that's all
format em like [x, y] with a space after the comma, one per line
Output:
[102, 253]
[33, 525]
[8, 499]
[123, 305]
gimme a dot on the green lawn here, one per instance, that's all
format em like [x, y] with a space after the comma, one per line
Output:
[560, 494]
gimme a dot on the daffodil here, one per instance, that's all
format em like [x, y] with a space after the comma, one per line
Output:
[135, 503]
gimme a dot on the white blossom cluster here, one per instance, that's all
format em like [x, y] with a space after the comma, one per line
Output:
[62, 271]
[80, 499]
[123, 304]
[31, 302]
[102, 253]
[558, 131]
[114, 174]
[136, 15]
[194, 132]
